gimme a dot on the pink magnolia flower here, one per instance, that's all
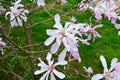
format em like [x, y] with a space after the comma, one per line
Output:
[73, 19]
[65, 35]
[89, 70]
[50, 68]
[107, 73]
[91, 31]
[2, 44]
[17, 14]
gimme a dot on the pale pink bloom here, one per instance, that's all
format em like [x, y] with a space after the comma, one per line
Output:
[91, 31]
[63, 1]
[2, 44]
[49, 70]
[107, 73]
[89, 70]
[63, 35]
[17, 14]
[73, 19]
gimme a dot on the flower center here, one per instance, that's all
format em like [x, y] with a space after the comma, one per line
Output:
[51, 68]
[63, 33]
[90, 30]
[107, 75]
[15, 11]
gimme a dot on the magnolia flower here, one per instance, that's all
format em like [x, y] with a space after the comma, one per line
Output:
[2, 9]
[91, 31]
[40, 2]
[89, 70]
[17, 14]
[50, 68]
[107, 73]
[106, 7]
[73, 19]
[63, 1]
[65, 35]
[2, 44]
[85, 4]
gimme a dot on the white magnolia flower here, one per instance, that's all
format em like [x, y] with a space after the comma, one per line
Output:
[106, 7]
[107, 73]
[17, 14]
[40, 2]
[50, 68]
[85, 4]
[65, 35]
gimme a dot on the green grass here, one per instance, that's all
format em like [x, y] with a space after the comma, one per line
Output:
[108, 45]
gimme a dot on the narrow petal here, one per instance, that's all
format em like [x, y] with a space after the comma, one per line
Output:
[49, 40]
[48, 58]
[102, 59]
[97, 77]
[52, 32]
[55, 47]
[59, 74]
[57, 18]
[75, 55]
[39, 71]
[19, 21]
[113, 63]
[98, 26]
[62, 55]
[52, 77]
[61, 63]
[66, 44]
[45, 75]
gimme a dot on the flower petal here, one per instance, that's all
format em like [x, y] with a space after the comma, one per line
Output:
[52, 77]
[59, 74]
[97, 77]
[55, 47]
[62, 55]
[39, 71]
[49, 40]
[102, 59]
[113, 63]
[52, 32]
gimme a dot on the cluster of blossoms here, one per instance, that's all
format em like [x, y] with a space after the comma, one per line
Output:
[104, 9]
[69, 36]
[109, 74]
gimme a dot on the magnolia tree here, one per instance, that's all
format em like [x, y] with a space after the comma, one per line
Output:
[63, 39]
